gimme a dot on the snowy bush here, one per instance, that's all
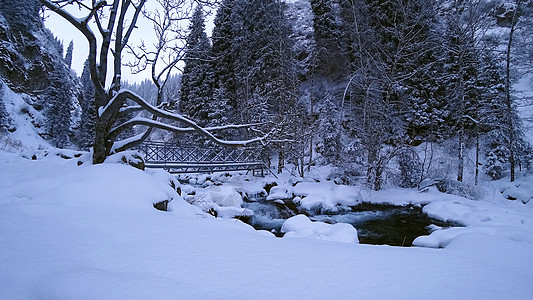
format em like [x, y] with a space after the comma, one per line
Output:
[521, 190]
[496, 160]
[460, 189]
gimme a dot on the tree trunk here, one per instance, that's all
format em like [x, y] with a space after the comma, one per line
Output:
[460, 157]
[508, 90]
[310, 152]
[477, 159]
[100, 150]
[281, 161]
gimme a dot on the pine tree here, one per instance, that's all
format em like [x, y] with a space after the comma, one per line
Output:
[58, 102]
[329, 143]
[330, 61]
[5, 123]
[254, 69]
[252, 47]
[196, 82]
[461, 74]
[88, 112]
[68, 55]
[223, 58]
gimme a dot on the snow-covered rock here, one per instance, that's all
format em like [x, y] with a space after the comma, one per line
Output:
[520, 190]
[326, 196]
[224, 195]
[232, 212]
[279, 193]
[302, 227]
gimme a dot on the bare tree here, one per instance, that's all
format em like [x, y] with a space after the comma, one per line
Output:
[115, 23]
[508, 99]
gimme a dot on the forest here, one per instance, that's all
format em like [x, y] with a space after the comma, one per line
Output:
[395, 135]
[383, 91]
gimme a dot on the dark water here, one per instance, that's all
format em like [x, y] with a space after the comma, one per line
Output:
[375, 223]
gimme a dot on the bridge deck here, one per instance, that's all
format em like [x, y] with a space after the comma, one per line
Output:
[192, 159]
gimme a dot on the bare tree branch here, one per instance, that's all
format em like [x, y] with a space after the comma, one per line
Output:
[123, 95]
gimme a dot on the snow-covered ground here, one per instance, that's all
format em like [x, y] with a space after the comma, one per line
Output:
[91, 232]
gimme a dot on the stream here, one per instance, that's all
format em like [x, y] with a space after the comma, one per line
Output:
[378, 224]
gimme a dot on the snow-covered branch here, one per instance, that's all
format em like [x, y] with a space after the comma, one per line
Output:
[116, 102]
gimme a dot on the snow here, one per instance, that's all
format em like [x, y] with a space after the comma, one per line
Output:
[326, 195]
[280, 192]
[91, 232]
[302, 227]
[22, 137]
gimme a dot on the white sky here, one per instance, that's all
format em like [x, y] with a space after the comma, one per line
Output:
[64, 31]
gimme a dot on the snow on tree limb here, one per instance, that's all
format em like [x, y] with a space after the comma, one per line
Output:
[123, 95]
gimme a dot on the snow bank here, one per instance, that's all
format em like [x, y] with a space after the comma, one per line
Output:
[90, 232]
[57, 181]
[441, 238]
[301, 226]
[501, 219]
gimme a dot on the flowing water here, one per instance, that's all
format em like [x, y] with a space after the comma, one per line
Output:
[375, 223]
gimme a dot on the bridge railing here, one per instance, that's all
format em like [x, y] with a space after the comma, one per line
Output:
[189, 159]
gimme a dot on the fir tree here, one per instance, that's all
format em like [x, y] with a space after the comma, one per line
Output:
[88, 112]
[196, 81]
[5, 123]
[329, 59]
[329, 143]
[223, 57]
[68, 55]
[58, 102]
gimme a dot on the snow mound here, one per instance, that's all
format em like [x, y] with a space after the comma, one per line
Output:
[521, 190]
[442, 238]
[221, 201]
[280, 193]
[224, 195]
[326, 196]
[57, 181]
[302, 227]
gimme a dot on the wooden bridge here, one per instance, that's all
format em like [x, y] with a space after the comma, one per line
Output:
[194, 159]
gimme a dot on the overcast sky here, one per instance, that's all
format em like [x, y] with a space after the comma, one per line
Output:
[64, 31]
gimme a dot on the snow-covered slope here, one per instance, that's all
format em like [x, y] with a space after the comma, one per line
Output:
[21, 124]
[91, 232]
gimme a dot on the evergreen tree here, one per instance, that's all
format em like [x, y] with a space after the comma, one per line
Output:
[225, 82]
[461, 75]
[68, 55]
[329, 59]
[196, 84]
[252, 47]
[409, 168]
[5, 123]
[88, 112]
[58, 103]
[329, 142]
